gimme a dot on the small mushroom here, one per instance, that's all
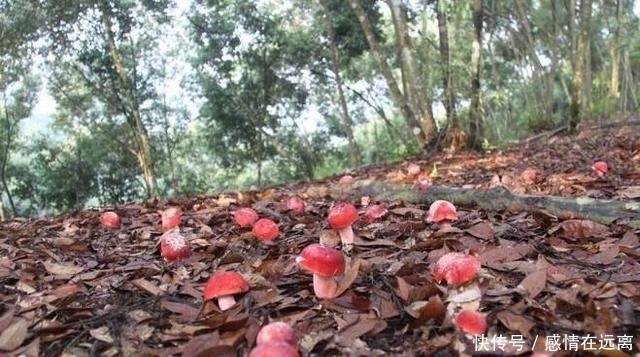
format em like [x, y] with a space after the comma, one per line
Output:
[600, 167]
[374, 212]
[171, 218]
[224, 285]
[277, 331]
[325, 264]
[341, 217]
[443, 213]
[245, 217]
[174, 246]
[456, 268]
[265, 230]
[279, 349]
[296, 204]
[110, 220]
[471, 322]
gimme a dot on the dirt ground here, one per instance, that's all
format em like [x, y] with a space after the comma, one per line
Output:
[559, 284]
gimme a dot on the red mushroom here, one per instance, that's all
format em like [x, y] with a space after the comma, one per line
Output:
[110, 220]
[223, 285]
[456, 268]
[277, 331]
[296, 204]
[443, 213]
[471, 322]
[424, 182]
[171, 218]
[600, 167]
[245, 217]
[413, 169]
[265, 230]
[341, 217]
[278, 349]
[346, 179]
[324, 263]
[374, 212]
[174, 246]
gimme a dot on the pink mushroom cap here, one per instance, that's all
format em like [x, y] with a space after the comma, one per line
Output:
[245, 217]
[223, 285]
[265, 230]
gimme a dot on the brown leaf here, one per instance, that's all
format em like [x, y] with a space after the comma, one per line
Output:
[206, 345]
[404, 289]
[102, 334]
[482, 230]
[13, 336]
[62, 269]
[515, 322]
[147, 286]
[581, 229]
[630, 192]
[361, 327]
[350, 275]
[534, 283]
[605, 257]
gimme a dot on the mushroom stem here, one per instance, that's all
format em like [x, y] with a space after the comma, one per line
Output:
[226, 302]
[346, 235]
[324, 287]
[444, 225]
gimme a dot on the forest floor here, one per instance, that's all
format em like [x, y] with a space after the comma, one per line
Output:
[555, 284]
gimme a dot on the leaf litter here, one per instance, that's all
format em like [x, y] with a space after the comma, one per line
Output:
[70, 287]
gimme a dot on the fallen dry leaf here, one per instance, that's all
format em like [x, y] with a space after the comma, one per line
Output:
[13, 336]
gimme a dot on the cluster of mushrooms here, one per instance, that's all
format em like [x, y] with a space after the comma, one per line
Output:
[324, 262]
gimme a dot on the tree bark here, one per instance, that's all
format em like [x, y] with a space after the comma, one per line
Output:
[445, 63]
[134, 118]
[497, 199]
[399, 100]
[415, 91]
[577, 90]
[347, 122]
[5, 159]
[476, 127]
[614, 88]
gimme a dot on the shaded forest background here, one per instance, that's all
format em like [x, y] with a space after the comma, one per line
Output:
[169, 99]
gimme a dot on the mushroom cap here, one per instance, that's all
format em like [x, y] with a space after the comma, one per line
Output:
[342, 215]
[278, 349]
[296, 204]
[277, 331]
[346, 179]
[413, 169]
[225, 283]
[110, 219]
[265, 229]
[441, 210]
[321, 260]
[456, 268]
[245, 217]
[374, 212]
[174, 246]
[600, 166]
[171, 218]
[471, 322]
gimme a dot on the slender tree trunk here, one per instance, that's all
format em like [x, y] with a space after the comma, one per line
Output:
[614, 88]
[134, 118]
[476, 126]
[399, 100]
[415, 91]
[347, 122]
[6, 150]
[445, 62]
[577, 90]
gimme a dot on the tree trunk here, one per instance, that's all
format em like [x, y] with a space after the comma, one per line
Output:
[415, 91]
[5, 160]
[399, 100]
[445, 63]
[496, 199]
[614, 88]
[577, 90]
[347, 122]
[134, 118]
[476, 127]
